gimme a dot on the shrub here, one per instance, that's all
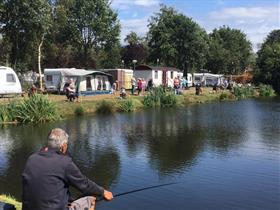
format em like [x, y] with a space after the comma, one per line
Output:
[266, 90]
[105, 107]
[127, 105]
[244, 92]
[226, 96]
[35, 109]
[160, 96]
[79, 111]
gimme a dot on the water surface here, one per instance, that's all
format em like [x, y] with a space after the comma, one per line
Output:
[223, 155]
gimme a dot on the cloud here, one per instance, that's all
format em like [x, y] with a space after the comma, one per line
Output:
[139, 26]
[128, 4]
[255, 22]
[255, 13]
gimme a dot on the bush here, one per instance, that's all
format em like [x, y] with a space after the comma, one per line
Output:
[36, 109]
[160, 96]
[244, 92]
[79, 111]
[266, 90]
[105, 107]
[226, 96]
[127, 105]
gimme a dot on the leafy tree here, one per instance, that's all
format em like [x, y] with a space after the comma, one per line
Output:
[177, 40]
[136, 49]
[229, 51]
[93, 25]
[268, 61]
[24, 25]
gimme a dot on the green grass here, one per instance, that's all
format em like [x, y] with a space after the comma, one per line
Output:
[11, 200]
[106, 107]
[266, 90]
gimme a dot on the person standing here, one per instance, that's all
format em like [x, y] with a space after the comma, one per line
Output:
[49, 173]
[133, 83]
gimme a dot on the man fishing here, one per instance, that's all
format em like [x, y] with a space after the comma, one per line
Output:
[48, 175]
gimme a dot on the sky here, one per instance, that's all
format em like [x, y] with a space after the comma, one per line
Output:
[256, 18]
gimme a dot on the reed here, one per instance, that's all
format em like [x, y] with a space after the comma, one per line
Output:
[160, 96]
[105, 107]
[266, 90]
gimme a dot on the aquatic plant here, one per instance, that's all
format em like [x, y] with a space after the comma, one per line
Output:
[160, 96]
[128, 105]
[244, 92]
[266, 90]
[36, 109]
[227, 96]
[105, 107]
[79, 111]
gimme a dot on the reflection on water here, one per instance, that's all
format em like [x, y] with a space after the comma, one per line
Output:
[225, 155]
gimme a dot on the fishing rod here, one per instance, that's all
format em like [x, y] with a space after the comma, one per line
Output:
[138, 190]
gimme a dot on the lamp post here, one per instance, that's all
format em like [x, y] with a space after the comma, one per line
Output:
[134, 62]
[157, 61]
[123, 64]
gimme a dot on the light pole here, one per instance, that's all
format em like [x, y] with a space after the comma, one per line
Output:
[134, 62]
[123, 64]
[157, 61]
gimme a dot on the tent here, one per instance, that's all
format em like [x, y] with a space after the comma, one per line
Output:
[88, 82]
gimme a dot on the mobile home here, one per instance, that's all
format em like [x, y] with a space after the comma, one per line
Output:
[159, 75]
[87, 82]
[9, 82]
[207, 79]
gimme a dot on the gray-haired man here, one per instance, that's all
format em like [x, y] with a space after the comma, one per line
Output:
[48, 175]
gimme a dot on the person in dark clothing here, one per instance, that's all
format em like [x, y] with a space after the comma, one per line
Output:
[48, 175]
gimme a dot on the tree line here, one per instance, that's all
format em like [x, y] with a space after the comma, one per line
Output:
[86, 34]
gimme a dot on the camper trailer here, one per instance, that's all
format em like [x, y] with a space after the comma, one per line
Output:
[9, 82]
[87, 82]
[207, 79]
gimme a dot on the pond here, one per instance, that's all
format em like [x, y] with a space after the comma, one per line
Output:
[219, 155]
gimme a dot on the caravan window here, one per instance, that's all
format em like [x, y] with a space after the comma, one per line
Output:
[49, 78]
[171, 74]
[156, 74]
[10, 78]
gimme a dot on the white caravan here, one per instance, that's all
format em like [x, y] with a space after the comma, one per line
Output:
[9, 82]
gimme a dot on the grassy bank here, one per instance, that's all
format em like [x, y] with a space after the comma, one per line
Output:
[10, 200]
[40, 109]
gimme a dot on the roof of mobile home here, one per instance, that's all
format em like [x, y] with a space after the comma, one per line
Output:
[146, 67]
[72, 72]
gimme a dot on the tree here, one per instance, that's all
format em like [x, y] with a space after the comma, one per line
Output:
[136, 49]
[229, 51]
[177, 40]
[92, 26]
[268, 61]
[24, 25]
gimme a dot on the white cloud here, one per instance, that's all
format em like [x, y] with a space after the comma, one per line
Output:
[128, 4]
[246, 13]
[256, 22]
[139, 26]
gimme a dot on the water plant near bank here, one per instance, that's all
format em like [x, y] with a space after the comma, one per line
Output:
[105, 107]
[36, 109]
[244, 92]
[266, 90]
[129, 105]
[160, 96]
[79, 111]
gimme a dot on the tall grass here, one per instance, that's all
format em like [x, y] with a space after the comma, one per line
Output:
[36, 109]
[160, 96]
[105, 107]
[129, 105]
[244, 92]
[266, 90]
[79, 111]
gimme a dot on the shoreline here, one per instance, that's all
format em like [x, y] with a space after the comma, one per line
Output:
[88, 105]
